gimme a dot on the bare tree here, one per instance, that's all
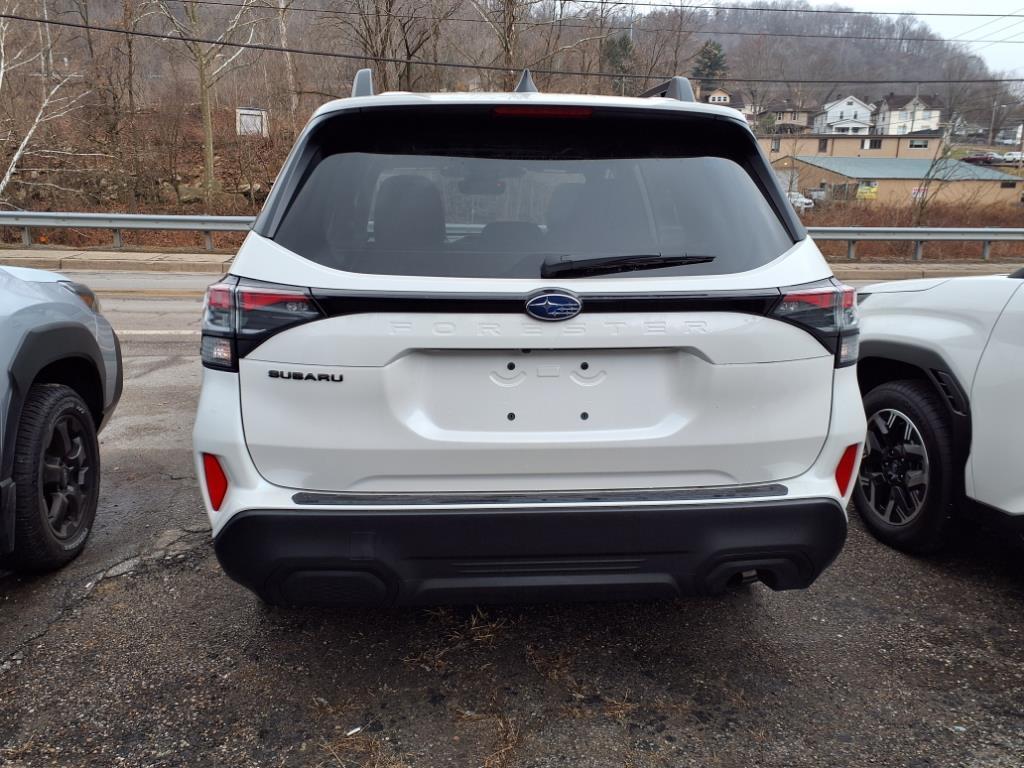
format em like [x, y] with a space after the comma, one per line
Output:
[416, 31]
[758, 58]
[13, 55]
[211, 60]
[662, 42]
[50, 101]
[373, 27]
[504, 17]
[505, 20]
[283, 7]
[940, 171]
[392, 34]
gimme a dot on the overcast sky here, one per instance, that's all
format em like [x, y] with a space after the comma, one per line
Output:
[1007, 57]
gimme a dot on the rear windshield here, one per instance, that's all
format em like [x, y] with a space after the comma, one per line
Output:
[484, 195]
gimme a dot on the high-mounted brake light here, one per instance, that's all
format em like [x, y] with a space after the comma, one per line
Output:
[216, 480]
[239, 315]
[828, 310]
[535, 110]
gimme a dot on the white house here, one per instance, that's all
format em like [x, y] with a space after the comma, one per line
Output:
[896, 114]
[846, 115]
[719, 96]
[724, 98]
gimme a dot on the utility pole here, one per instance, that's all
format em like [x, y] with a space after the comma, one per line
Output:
[992, 125]
[917, 103]
[283, 6]
[1020, 153]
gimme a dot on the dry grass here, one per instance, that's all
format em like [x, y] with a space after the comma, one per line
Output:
[868, 214]
[509, 736]
[554, 667]
[585, 702]
[362, 751]
[456, 635]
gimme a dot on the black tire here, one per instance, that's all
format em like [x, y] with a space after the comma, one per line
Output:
[913, 517]
[57, 476]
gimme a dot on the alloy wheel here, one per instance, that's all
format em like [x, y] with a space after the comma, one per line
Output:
[66, 477]
[894, 470]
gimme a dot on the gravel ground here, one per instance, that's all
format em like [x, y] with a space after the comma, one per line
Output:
[886, 661]
[141, 653]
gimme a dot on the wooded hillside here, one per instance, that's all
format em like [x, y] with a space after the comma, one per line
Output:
[130, 104]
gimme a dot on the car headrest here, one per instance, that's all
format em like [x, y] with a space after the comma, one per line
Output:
[409, 214]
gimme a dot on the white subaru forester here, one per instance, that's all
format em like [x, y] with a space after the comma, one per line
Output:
[521, 346]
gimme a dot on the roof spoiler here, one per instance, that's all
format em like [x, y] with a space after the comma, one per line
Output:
[677, 88]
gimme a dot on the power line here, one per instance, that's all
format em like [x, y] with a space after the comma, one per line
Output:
[1006, 40]
[773, 9]
[986, 24]
[624, 28]
[360, 57]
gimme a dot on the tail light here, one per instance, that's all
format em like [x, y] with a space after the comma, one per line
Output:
[239, 315]
[828, 310]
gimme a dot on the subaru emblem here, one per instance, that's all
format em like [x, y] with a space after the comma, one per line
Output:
[553, 305]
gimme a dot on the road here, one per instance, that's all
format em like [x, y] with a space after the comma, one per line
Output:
[142, 653]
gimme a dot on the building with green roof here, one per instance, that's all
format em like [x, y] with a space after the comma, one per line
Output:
[897, 180]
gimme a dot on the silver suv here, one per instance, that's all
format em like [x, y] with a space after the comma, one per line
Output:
[63, 365]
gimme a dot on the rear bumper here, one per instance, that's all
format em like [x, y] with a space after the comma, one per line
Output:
[332, 557]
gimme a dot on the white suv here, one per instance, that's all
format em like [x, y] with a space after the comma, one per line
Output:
[519, 346]
[942, 370]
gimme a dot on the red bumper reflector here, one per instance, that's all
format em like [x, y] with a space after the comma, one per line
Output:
[844, 471]
[216, 480]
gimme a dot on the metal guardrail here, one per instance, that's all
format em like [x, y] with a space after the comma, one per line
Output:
[918, 235]
[116, 222]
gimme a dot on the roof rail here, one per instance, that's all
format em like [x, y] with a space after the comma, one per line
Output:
[526, 84]
[362, 83]
[677, 88]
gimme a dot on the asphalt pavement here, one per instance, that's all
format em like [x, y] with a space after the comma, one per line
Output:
[142, 653]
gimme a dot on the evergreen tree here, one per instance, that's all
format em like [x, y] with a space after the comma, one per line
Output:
[710, 65]
[617, 57]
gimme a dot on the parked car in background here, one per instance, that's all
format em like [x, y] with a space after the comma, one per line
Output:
[1013, 157]
[984, 158]
[62, 381]
[478, 362]
[942, 372]
[800, 202]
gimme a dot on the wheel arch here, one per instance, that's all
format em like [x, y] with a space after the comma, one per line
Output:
[883, 361]
[55, 353]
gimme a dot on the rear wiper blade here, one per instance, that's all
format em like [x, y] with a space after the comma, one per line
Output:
[562, 266]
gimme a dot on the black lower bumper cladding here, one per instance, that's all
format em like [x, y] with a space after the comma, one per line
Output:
[330, 557]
